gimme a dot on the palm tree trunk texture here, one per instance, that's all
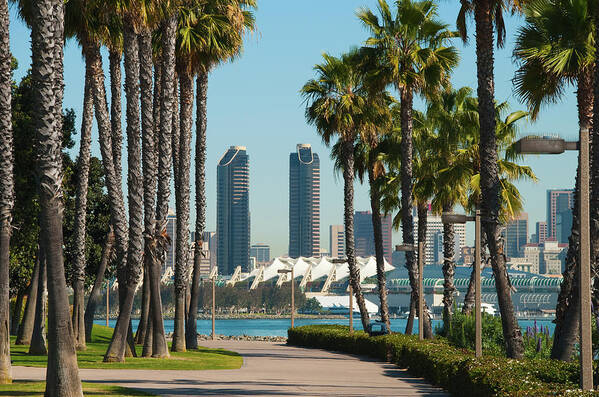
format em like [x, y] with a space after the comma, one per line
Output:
[15, 317]
[566, 312]
[377, 224]
[62, 374]
[149, 169]
[191, 333]
[26, 326]
[6, 192]
[407, 221]
[348, 189]
[118, 219]
[116, 129]
[96, 293]
[469, 299]
[81, 212]
[37, 344]
[424, 317]
[411, 315]
[175, 133]
[448, 270]
[182, 195]
[489, 179]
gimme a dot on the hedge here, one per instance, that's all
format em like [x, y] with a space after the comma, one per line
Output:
[456, 370]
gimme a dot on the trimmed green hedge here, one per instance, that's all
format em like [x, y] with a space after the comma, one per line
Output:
[456, 370]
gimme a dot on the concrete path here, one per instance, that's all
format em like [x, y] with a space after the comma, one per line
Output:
[269, 369]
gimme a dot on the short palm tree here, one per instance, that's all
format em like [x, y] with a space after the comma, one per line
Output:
[338, 104]
[556, 47]
[488, 14]
[416, 58]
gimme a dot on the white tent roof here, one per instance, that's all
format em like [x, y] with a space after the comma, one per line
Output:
[342, 302]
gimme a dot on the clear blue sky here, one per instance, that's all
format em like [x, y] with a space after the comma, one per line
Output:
[254, 102]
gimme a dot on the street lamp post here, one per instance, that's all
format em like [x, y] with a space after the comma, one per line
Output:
[420, 249]
[459, 218]
[536, 145]
[285, 271]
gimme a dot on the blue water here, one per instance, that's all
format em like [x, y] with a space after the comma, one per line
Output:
[278, 327]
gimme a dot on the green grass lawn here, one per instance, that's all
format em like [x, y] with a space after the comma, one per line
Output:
[89, 389]
[200, 359]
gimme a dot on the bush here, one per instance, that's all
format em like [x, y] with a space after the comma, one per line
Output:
[452, 368]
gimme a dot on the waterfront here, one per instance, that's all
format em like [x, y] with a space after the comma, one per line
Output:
[278, 327]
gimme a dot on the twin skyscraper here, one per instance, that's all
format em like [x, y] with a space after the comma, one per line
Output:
[233, 214]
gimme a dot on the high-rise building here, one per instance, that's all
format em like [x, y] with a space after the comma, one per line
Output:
[563, 225]
[337, 241]
[304, 202]
[434, 225]
[541, 232]
[558, 201]
[208, 258]
[516, 235]
[232, 212]
[546, 258]
[261, 252]
[364, 235]
[171, 230]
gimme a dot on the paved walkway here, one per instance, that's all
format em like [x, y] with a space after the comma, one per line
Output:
[269, 369]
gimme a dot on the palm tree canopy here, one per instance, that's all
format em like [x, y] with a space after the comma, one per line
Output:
[553, 47]
[412, 44]
[339, 101]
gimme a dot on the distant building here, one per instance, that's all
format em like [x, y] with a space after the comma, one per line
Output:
[261, 252]
[466, 255]
[337, 241]
[232, 212]
[208, 258]
[438, 255]
[171, 230]
[304, 202]
[364, 235]
[516, 235]
[541, 232]
[522, 264]
[547, 258]
[558, 202]
[563, 226]
[434, 225]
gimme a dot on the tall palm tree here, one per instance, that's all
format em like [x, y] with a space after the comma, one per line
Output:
[487, 15]
[212, 36]
[47, 40]
[6, 189]
[338, 104]
[417, 59]
[555, 47]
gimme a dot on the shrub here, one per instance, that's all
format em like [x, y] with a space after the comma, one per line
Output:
[455, 369]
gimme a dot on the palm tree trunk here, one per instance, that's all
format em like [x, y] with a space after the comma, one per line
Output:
[81, 212]
[26, 326]
[140, 333]
[348, 189]
[118, 219]
[424, 317]
[469, 300]
[6, 193]
[96, 293]
[182, 194]
[116, 129]
[62, 374]
[377, 224]
[566, 312]
[448, 270]
[489, 179]
[15, 317]
[37, 344]
[175, 133]
[407, 221]
[191, 333]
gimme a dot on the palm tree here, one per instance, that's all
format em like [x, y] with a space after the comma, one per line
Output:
[47, 40]
[6, 189]
[556, 47]
[487, 15]
[212, 36]
[417, 59]
[339, 104]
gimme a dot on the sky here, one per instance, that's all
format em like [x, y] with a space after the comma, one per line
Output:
[255, 102]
